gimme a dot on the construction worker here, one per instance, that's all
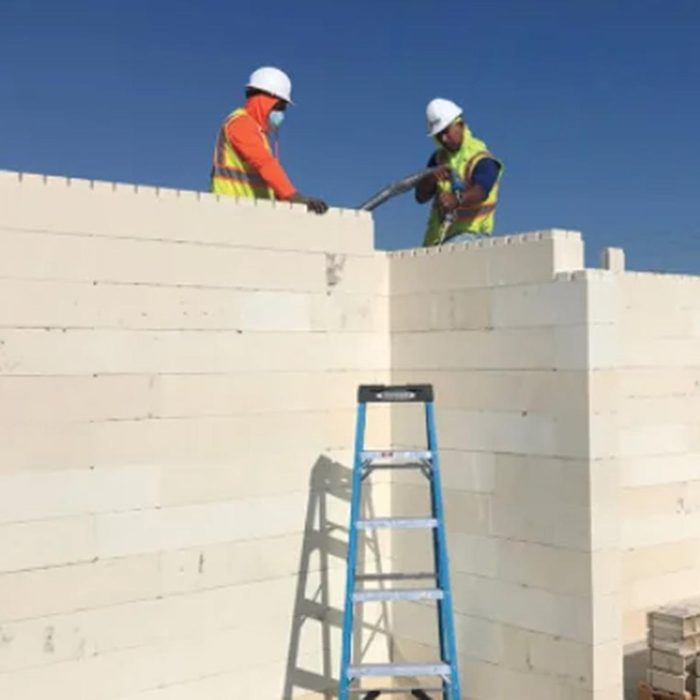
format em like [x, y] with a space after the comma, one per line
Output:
[244, 165]
[464, 188]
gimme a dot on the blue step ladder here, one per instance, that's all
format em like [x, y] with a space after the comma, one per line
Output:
[443, 670]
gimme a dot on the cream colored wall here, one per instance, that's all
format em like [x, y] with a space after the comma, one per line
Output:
[500, 328]
[177, 388]
[652, 394]
[177, 406]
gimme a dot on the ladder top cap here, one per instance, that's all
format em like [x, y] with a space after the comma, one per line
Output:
[394, 393]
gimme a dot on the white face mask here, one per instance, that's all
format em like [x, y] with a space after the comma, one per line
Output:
[275, 119]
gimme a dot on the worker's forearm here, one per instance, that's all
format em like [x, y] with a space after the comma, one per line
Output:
[474, 194]
[425, 189]
[273, 174]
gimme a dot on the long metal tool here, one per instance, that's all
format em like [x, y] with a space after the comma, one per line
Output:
[395, 188]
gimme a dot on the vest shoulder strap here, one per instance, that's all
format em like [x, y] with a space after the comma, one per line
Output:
[473, 161]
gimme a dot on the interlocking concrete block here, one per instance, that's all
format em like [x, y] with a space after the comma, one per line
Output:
[671, 682]
[649, 440]
[561, 302]
[33, 683]
[275, 311]
[480, 639]
[608, 664]
[90, 258]
[660, 529]
[92, 304]
[660, 381]
[661, 499]
[50, 446]
[501, 349]
[658, 590]
[638, 411]
[607, 617]
[607, 570]
[527, 482]
[138, 532]
[521, 606]
[556, 569]
[50, 401]
[613, 259]
[662, 559]
[209, 440]
[355, 274]
[34, 352]
[500, 432]
[561, 393]
[47, 543]
[339, 312]
[559, 526]
[41, 496]
[110, 209]
[232, 563]
[637, 471]
[672, 663]
[475, 554]
[536, 653]
[353, 351]
[469, 309]
[413, 312]
[69, 588]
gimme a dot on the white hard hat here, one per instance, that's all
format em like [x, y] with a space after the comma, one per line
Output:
[272, 80]
[440, 114]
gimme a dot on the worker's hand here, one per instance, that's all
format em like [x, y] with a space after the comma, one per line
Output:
[316, 205]
[313, 204]
[442, 173]
[447, 201]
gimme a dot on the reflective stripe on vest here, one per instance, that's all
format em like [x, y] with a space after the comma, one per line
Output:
[477, 218]
[230, 173]
[238, 175]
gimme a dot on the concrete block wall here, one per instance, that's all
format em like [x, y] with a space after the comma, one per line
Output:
[177, 388]
[501, 328]
[653, 417]
[177, 406]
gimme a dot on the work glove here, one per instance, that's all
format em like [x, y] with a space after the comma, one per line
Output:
[314, 204]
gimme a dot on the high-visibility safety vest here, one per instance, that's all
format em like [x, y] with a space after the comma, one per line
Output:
[230, 174]
[477, 218]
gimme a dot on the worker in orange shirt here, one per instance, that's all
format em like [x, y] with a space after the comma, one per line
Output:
[244, 165]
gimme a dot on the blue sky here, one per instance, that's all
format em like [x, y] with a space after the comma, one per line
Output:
[593, 105]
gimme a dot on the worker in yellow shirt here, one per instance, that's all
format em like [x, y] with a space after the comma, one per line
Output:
[464, 188]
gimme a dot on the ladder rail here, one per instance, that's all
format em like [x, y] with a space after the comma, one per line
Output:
[355, 501]
[448, 643]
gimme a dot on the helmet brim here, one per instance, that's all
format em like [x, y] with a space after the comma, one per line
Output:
[279, 97]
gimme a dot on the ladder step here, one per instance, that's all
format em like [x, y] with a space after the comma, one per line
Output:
[396, 691]
[397, 594]
[397, 576]
[396, 523]
[398, 670]
[395, 455]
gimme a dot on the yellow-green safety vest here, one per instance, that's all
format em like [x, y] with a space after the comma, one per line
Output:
[477, 218]
[230, 174]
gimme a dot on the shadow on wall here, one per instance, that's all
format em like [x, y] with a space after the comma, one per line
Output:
[318, 610]
[635, 665]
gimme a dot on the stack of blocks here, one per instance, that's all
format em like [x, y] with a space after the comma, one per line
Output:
[674, 643]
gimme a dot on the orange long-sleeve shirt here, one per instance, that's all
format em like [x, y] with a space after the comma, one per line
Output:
[245, 136]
